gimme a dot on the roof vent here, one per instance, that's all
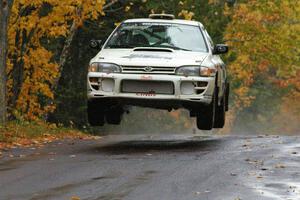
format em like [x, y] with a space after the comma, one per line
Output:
[161, 16]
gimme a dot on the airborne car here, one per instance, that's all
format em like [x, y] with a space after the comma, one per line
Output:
[159, 62]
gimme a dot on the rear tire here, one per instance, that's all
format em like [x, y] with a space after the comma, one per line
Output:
[114, 116]
[220, 114]
[95, 113]
[206, 115]
[227, 96]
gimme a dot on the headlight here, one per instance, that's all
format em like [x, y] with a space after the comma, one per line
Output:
[188, 71]
[104, 68]
[195, 71]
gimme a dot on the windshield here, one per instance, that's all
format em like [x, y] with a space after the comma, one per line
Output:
[175, 36]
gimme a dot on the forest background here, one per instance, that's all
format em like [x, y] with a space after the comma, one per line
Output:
[43, 72]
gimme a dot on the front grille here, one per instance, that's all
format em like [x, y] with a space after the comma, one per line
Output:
[148, 87]
[148, 70]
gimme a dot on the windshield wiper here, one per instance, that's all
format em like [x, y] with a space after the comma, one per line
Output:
[179, 48]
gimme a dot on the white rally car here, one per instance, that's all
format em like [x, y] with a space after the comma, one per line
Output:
[162, 63]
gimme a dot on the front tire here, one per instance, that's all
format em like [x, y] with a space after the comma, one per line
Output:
[206, 115]
[114, 116]
[95, 113]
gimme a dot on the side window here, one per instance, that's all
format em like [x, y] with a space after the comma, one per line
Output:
[211, 43]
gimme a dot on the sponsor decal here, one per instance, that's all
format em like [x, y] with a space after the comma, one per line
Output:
[147, 56]
[146, 94]
[145, 77]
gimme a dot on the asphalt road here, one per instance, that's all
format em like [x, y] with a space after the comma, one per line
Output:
[171, 167]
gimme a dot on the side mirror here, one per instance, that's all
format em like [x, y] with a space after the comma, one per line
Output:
[96, 44]
[220, 49]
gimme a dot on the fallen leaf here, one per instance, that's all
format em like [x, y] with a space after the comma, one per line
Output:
[96, 137]
[279, 166]
[206, 191]
[252, 173]
[75, 198]
[35, 142]
[17, 144]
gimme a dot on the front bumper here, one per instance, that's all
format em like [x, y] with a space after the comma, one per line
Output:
[188, 89]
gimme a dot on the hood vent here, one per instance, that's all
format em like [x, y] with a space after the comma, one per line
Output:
[153, 49]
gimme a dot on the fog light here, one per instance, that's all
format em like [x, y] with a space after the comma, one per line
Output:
[187, 88]
[94, 80]
[202, 84]
[107, 85]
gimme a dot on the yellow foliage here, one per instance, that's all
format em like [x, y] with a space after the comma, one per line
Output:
[188, 15]
[287, 120]
[31, 68]
[127, 8]
[213, 1]
[264, 37]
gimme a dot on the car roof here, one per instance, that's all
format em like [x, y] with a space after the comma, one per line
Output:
[172, 21]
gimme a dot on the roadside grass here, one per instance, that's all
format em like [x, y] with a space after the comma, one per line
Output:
[22, 133]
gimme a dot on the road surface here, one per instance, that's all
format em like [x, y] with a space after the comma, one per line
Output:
[170, 167]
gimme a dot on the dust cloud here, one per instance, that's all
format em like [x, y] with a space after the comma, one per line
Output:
[249, 122]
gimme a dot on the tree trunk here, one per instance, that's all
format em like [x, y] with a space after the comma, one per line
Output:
[65, 52]
[67, 46]
[5, 6]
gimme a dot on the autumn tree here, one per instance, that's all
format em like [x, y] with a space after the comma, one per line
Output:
[5, 7]
[33, 69]
[264, 37]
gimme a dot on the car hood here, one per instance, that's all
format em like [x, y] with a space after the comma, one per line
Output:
[129, 57]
